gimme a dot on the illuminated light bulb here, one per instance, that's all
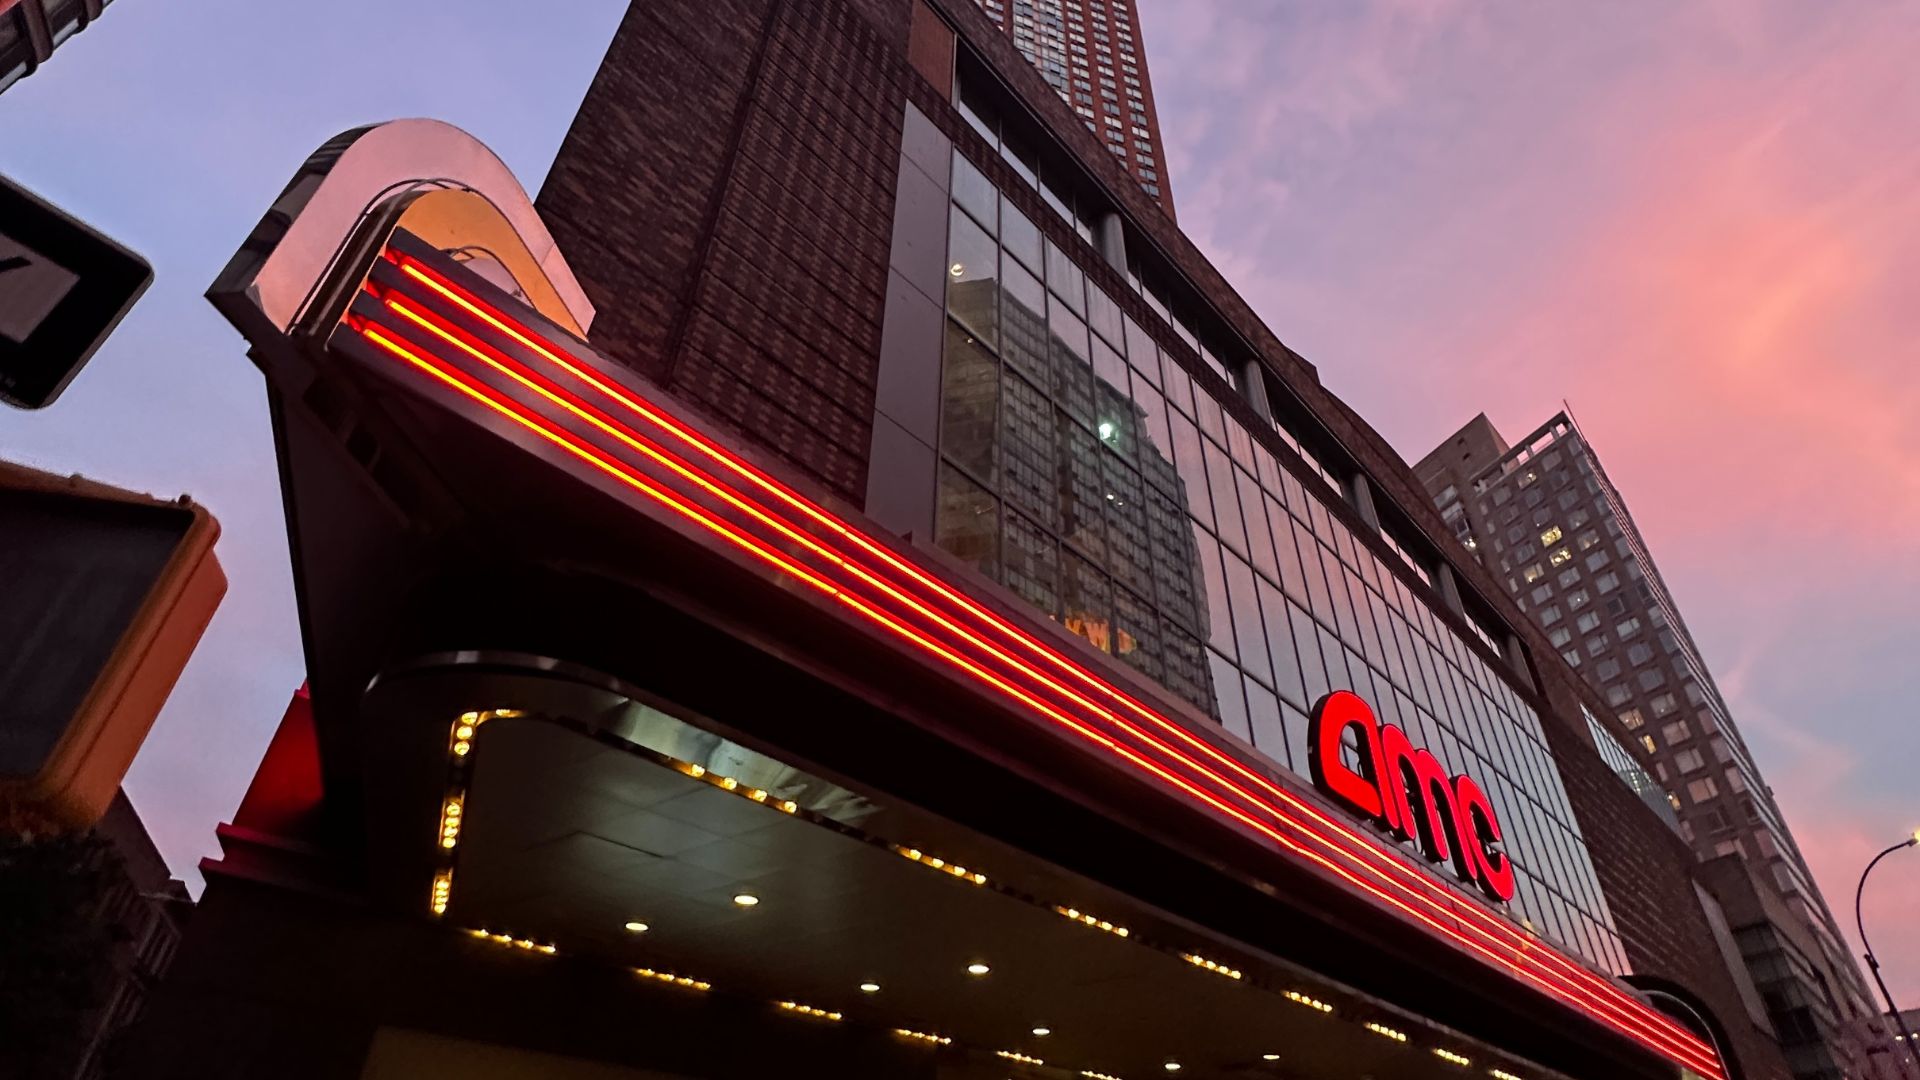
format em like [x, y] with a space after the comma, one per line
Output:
[470, 719]
[1310, 1002]
[696, 771]
[957, 269]
[912, 853]
[729, 783]
[1269, 1057]
[807, 1010]
[1015, 1055]
[1042, 1031]
[1171, 1066]
[1450, 1057]
[922, 1036]
[757, 795]
[460, 748]
[977, 968]
[507, 714]
[464, 731]
[479, 933]
[979, 879]
[869, 987]
[745, 899]
[448, 842]
[935, 863]
[1386, 1032]
[1106, 429]
[548, 949]
[637, 927]
[790, 806]
[1501, 1074]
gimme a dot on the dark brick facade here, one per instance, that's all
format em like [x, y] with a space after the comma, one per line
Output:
[726, 198]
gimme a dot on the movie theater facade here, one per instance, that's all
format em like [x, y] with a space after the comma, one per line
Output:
[840, 586]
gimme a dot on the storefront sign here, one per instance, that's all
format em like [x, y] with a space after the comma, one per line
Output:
[1405, 790]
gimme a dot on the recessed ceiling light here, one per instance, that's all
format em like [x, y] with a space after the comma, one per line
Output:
[1171, 1066]
[977, 968]
[637, 927]
[1043, 1031]
[869, 987]
[745, 899]
[1269, 1057]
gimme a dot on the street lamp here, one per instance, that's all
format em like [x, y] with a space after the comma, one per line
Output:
[1912, 1045]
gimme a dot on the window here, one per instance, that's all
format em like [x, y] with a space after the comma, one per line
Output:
[1597, 560]
[1532, 573]
[1569, 577]
[1560, 556]
[1549, 615]
[1542, 594]
[1702, 790]
[1608, 670]
[1607, 582]
[1588, 622]
[1560, 637]
[1633, 720]
[1652, 679]
[1647, 741]
[1551, 536]
[1676, 732]
[1690, 760]
[1640, 653]
[1663, 705]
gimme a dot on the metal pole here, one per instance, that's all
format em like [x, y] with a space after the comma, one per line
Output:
[1873, 965]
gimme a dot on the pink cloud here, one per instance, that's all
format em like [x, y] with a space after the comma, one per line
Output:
[1701, 225]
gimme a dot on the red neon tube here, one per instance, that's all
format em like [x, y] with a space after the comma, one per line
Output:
[520, 335]
[527, 339]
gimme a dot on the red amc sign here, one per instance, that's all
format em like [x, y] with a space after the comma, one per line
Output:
[1404, 789]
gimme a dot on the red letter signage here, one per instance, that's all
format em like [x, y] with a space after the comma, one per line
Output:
[1404, 789]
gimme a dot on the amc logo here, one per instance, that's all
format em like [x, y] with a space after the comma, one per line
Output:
[1405, 790]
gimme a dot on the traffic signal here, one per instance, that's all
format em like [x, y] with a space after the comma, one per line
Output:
[103, 595]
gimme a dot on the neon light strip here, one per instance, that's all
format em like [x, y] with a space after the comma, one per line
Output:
[1610, 1000]
[1526, 947]
[1609, 1003]
[1502, 935]
[1500, 932]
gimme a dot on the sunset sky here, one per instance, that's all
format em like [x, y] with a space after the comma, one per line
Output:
[1697, 223]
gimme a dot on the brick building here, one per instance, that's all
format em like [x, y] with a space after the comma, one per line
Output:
[1546, 520]
[852, 591]
[1092, 54]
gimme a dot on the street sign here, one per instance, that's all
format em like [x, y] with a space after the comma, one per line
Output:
[63, 288]
[106, 593]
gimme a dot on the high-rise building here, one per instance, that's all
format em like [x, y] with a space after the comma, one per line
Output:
[92, 919]
[31, 29]
[841, 585]
[1090, 52]
[1545, 519]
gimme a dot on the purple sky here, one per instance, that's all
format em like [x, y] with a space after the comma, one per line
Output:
[1699, 223]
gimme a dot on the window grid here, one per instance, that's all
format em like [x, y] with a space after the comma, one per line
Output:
[1092, 477]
